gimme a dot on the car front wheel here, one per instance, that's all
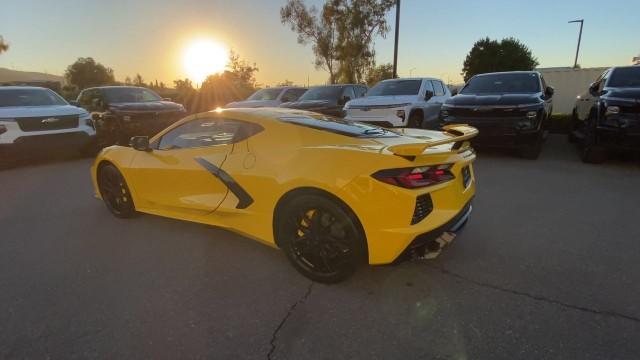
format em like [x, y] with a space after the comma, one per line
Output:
[321, 239]
[115, 192]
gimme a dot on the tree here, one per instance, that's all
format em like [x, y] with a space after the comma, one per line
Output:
[4, 46]
[138, 80]
[320, 31]
[488, 55]
[127, 81]
[86, 72]
[379, 73]
[341, 35]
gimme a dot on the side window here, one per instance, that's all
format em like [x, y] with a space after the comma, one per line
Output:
[428, 87]
[292, 94]
[438, 89]
[207, 132]
[360, 91]
[348, 92]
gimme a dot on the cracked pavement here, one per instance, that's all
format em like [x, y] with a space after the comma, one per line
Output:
[547, 268]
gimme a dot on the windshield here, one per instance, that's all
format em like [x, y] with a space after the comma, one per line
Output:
[129, 95]
[395, 88]
[322, 93]
[521, 83]
[265, 94]
[338, 126]
[29, 97]
[625, 77]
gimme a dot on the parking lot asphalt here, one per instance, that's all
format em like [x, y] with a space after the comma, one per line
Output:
[548, 267]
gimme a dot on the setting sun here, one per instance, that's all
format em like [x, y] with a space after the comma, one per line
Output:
[203, 58]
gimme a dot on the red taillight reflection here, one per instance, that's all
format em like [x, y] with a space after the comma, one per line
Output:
[412, 178]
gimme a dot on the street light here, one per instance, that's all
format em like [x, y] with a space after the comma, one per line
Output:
[581, 21]
[395, 46]
[411, 71]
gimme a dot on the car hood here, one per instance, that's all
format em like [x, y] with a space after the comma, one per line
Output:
[624, 93]
[252, 103]
[38, 111]
[146, 106]
[494, 99]
[384, 100]
[311, 104]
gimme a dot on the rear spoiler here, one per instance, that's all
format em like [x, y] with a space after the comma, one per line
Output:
[458, 134]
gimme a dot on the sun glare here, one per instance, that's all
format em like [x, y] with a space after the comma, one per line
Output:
[203, 58]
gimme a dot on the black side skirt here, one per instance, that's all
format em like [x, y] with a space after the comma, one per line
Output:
[244, 199]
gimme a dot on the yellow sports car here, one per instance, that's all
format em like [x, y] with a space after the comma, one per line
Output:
[331, 193]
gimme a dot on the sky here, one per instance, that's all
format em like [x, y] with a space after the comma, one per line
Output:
[149, 37]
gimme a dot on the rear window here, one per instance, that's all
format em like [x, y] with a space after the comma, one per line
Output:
[520, 83]
[625, 77]
[338, 126]
[29, 97]
[117, 95]
[395, 88]
[322, 93]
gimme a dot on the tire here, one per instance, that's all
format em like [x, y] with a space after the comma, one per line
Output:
[591, 151]
[115, 192]
[321, 238]
[415, 120]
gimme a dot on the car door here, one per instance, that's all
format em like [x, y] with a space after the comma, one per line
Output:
[433, 105]
[588, 99]
[182, 172]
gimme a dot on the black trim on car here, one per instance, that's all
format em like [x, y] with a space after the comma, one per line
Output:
[244, 199]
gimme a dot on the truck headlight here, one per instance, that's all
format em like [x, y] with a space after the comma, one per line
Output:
[532, 114]
[444, 113]
[613, 110]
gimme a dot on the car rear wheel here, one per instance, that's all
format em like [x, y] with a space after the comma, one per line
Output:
[321, 239]
[115, 192]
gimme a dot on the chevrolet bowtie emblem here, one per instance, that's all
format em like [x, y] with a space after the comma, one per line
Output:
[50, 120]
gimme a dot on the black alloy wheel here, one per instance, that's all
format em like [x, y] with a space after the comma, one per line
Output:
[320, 238]
[115, 192]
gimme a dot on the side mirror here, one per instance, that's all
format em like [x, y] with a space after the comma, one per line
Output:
[344, 100]
[454, 92]
[593, 89]
[428, 95]
[96, 116]
[548, 92]
[140, 143]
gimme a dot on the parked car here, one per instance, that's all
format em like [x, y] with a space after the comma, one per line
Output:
[413, 102]
[345, 194]
[607, 115]
[328, 100]
[270, 97]
[35, 120]
[511, 109]
[120, 112]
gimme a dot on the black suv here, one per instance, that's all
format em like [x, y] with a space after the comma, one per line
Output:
[329, 99]
[607, 115]
[121, 112]
[511, 109]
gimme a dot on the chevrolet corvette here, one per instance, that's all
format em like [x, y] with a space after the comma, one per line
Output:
[331, 193]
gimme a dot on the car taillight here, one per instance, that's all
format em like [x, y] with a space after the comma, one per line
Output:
[413, 178]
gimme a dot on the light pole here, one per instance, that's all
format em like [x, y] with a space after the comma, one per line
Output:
[395, 46]
[411, 71]
[581, 21]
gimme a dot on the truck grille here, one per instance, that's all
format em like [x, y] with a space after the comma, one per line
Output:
[424, 206]
[44, 123]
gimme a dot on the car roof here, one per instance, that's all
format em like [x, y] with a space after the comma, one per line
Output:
[413, 78]
[509, 72]
[13, 87]
[117, 87]
[626, 67]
